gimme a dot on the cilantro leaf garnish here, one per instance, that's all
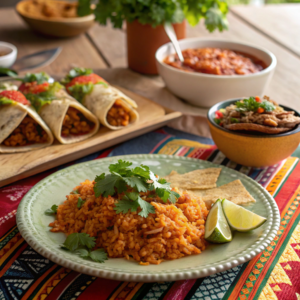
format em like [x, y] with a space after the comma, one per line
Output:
[124, 205]
[98, 255]
[75, 72]
[81, 243]
[75, 192]
[51, 211]
[252, 105]
[78, 91]
[38, 77]
[146, 207]
[79, 202]
[140, 179]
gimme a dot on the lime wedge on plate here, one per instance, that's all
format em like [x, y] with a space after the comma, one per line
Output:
[241, 219]
[217, 229]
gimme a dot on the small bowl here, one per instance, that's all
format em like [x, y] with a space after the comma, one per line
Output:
[206, 90]
[10, 56]
[253, 150]
[57, 27]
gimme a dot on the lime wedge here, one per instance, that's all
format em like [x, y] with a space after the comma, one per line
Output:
[217, 229]
[241, 219]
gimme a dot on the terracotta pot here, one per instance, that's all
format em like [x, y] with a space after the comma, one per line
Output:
[142, 43]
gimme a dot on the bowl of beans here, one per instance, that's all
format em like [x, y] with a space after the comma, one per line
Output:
[214, 70]
[8, 54]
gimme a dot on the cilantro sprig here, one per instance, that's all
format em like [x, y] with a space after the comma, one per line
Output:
[81, 244]
[140, 179]
[252, 105]
[51, 211]
[75, 72]
[38, 77]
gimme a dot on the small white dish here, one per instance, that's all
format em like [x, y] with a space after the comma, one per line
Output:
[7, 60]
[205, 90]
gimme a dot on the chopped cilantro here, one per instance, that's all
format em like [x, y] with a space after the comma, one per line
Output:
[51, 211]
[38, 77]
[81, 243]
[79, 202]
[140, 179]
[75, 192]
[234, 120]
[75, 72]
[252, 105]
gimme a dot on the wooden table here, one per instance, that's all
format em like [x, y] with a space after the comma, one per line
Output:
[105, 47]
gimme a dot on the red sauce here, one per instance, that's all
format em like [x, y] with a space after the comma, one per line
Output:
[216, 61]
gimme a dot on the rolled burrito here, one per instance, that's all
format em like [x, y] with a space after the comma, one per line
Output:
[69, 121]
[113, 109]
[21, 128]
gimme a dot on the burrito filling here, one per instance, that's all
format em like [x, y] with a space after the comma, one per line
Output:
[118, 115]
[27, 133]
[75, 123]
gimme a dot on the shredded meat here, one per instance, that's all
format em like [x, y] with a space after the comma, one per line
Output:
[27, 133]
[276, 119]
[118, 115]
[75, 123]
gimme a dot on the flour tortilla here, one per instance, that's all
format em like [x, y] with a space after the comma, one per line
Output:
[198, 179]
[10, 118]
[102, 98]
[54, 113]
[233, 191]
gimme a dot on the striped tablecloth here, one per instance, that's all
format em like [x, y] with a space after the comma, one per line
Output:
[273, 274]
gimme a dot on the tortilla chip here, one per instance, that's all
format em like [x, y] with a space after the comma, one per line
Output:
[198, 179]
[233, 191]
[256, 127]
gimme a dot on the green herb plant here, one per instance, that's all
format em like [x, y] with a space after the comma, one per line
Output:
[51, 211]
[156, 12]
[81, 244]
[139, 179]
[252, 105]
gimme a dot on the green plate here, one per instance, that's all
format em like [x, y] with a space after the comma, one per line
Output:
[33, 223]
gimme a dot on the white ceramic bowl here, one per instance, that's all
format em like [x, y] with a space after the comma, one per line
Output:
[206, 90]
[7, 60]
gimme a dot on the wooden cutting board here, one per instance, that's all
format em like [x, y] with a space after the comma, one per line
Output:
[17, 166]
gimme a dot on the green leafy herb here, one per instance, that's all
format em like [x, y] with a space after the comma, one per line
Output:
[8, 72]
[140, 179]
[51, 211]
[80, 202]
[81, 244]
[98, 255]
[46, 97]
[84, 8]
[252, 105]
[5, 100]
[38, 77]
[156, 12]
[217, 120]
[234, 120]
[75, 192]
[75, 72]
[76, 240]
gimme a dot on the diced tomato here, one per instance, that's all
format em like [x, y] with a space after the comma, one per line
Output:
[257, 99]
[84, 79]
[33, 87]
[260, 110]
[219, 115]
[15, 96]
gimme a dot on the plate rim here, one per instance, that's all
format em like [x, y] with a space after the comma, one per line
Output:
[122, 274]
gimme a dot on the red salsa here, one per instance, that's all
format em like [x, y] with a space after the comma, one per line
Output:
[216, 61]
